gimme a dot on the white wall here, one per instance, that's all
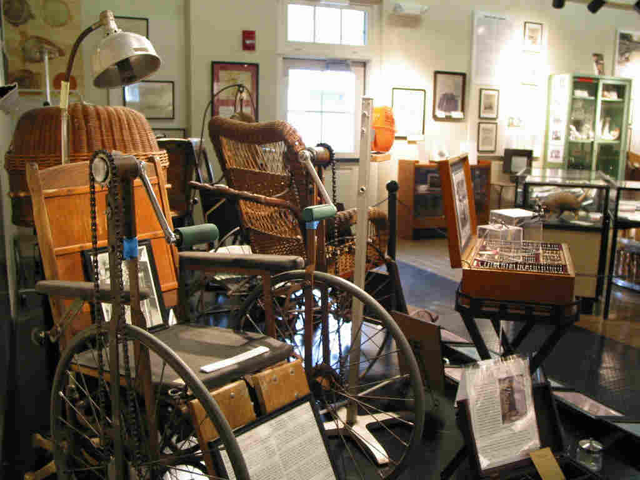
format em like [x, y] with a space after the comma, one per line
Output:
[214, 30]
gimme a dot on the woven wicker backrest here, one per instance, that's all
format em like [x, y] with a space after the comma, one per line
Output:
[262, 158]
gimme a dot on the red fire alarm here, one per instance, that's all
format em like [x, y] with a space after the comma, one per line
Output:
[248, 40]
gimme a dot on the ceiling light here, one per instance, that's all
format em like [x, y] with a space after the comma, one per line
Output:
[595, 5]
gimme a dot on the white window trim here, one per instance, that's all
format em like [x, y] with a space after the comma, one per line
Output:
[324, 50]
[361, 77]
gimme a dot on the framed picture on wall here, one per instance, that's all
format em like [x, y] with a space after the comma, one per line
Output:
[153, 308]
[533, 36]
[408, 106]
[627, 55]
[137, 25]
[487, 137]
[225, 97]
[153, 98]
[170, 132]
[448, 95]
[489, 98]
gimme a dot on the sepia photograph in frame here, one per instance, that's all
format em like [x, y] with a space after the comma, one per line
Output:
[487, 137]
[153, 308]
[153, 98]
[489, 103]
[448, 95]
[533, 36]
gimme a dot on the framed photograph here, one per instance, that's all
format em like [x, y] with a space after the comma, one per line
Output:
[137, 25]
[448, 95]
[170, 132]
[153, 307]
[516, 160]
[153, 98]
[489, 98]
[533, 36]
[459, 206]
[487, 137]
[408, 106]
[627, 55]
[225, 74]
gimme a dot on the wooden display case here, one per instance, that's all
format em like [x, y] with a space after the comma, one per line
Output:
[539, 272]
[420, 195]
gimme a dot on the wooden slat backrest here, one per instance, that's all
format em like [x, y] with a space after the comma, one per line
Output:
[61, 208]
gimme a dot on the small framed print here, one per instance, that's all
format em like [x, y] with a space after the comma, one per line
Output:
[533, 36]
[170, 132]
[153, 308]
[153, 98]
[489, 98]
[408, 106]
[487, 137]
[226, 74]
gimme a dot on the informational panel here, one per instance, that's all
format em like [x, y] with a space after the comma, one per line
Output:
[287, 445]
[492, 47]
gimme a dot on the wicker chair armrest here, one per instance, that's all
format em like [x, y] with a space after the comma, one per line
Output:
[377, 217]
[231, 194]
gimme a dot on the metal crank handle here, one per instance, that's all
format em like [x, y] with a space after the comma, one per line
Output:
[169, 236]
[317, 212]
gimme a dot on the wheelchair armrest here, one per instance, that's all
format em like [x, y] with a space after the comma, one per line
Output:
[229, 193]
[82, 290]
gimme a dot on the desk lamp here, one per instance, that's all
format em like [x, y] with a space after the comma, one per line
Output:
[121, 58]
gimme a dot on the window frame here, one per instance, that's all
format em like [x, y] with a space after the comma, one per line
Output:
[327, 50]
[312, 64]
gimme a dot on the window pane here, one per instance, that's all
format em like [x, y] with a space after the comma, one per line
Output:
[353, 27]
[300, 23]
[337, 131]
[339, 90]
[307, 124]
[327, 25]
[305, 90]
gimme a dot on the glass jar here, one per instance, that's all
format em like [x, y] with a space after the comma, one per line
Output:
[590, 454]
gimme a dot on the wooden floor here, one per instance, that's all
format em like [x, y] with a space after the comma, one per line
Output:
[622, 325]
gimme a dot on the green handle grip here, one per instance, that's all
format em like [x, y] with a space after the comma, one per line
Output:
[318, 212]
[190, 236]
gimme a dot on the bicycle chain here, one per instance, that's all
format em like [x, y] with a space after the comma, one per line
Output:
[117, 213]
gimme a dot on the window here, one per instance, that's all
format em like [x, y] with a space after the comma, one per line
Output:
[328, 24]
[323, 102]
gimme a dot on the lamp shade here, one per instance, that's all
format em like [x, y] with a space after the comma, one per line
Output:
[123, 58]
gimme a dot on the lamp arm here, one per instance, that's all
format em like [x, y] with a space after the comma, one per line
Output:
[76, 45]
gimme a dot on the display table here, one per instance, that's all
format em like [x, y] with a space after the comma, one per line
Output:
[561, 317]
[620, 222]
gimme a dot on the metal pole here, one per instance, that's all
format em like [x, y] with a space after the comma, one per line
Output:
[361, 249]
[45, 59]
[392, 211]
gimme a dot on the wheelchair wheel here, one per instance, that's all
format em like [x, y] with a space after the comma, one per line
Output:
[83, 415]
[377, 378]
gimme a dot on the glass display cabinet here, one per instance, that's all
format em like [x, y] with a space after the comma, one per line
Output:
[420, 195]
[587, 123]
[624, 258]
[576, 212]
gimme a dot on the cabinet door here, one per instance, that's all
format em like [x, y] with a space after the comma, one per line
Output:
[582, 123]
[428, 193]
[610, 129]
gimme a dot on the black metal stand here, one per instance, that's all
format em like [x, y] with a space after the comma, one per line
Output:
[471, 308]
[561, 316]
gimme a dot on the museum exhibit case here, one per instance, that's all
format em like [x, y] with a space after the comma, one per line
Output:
[587, 123]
